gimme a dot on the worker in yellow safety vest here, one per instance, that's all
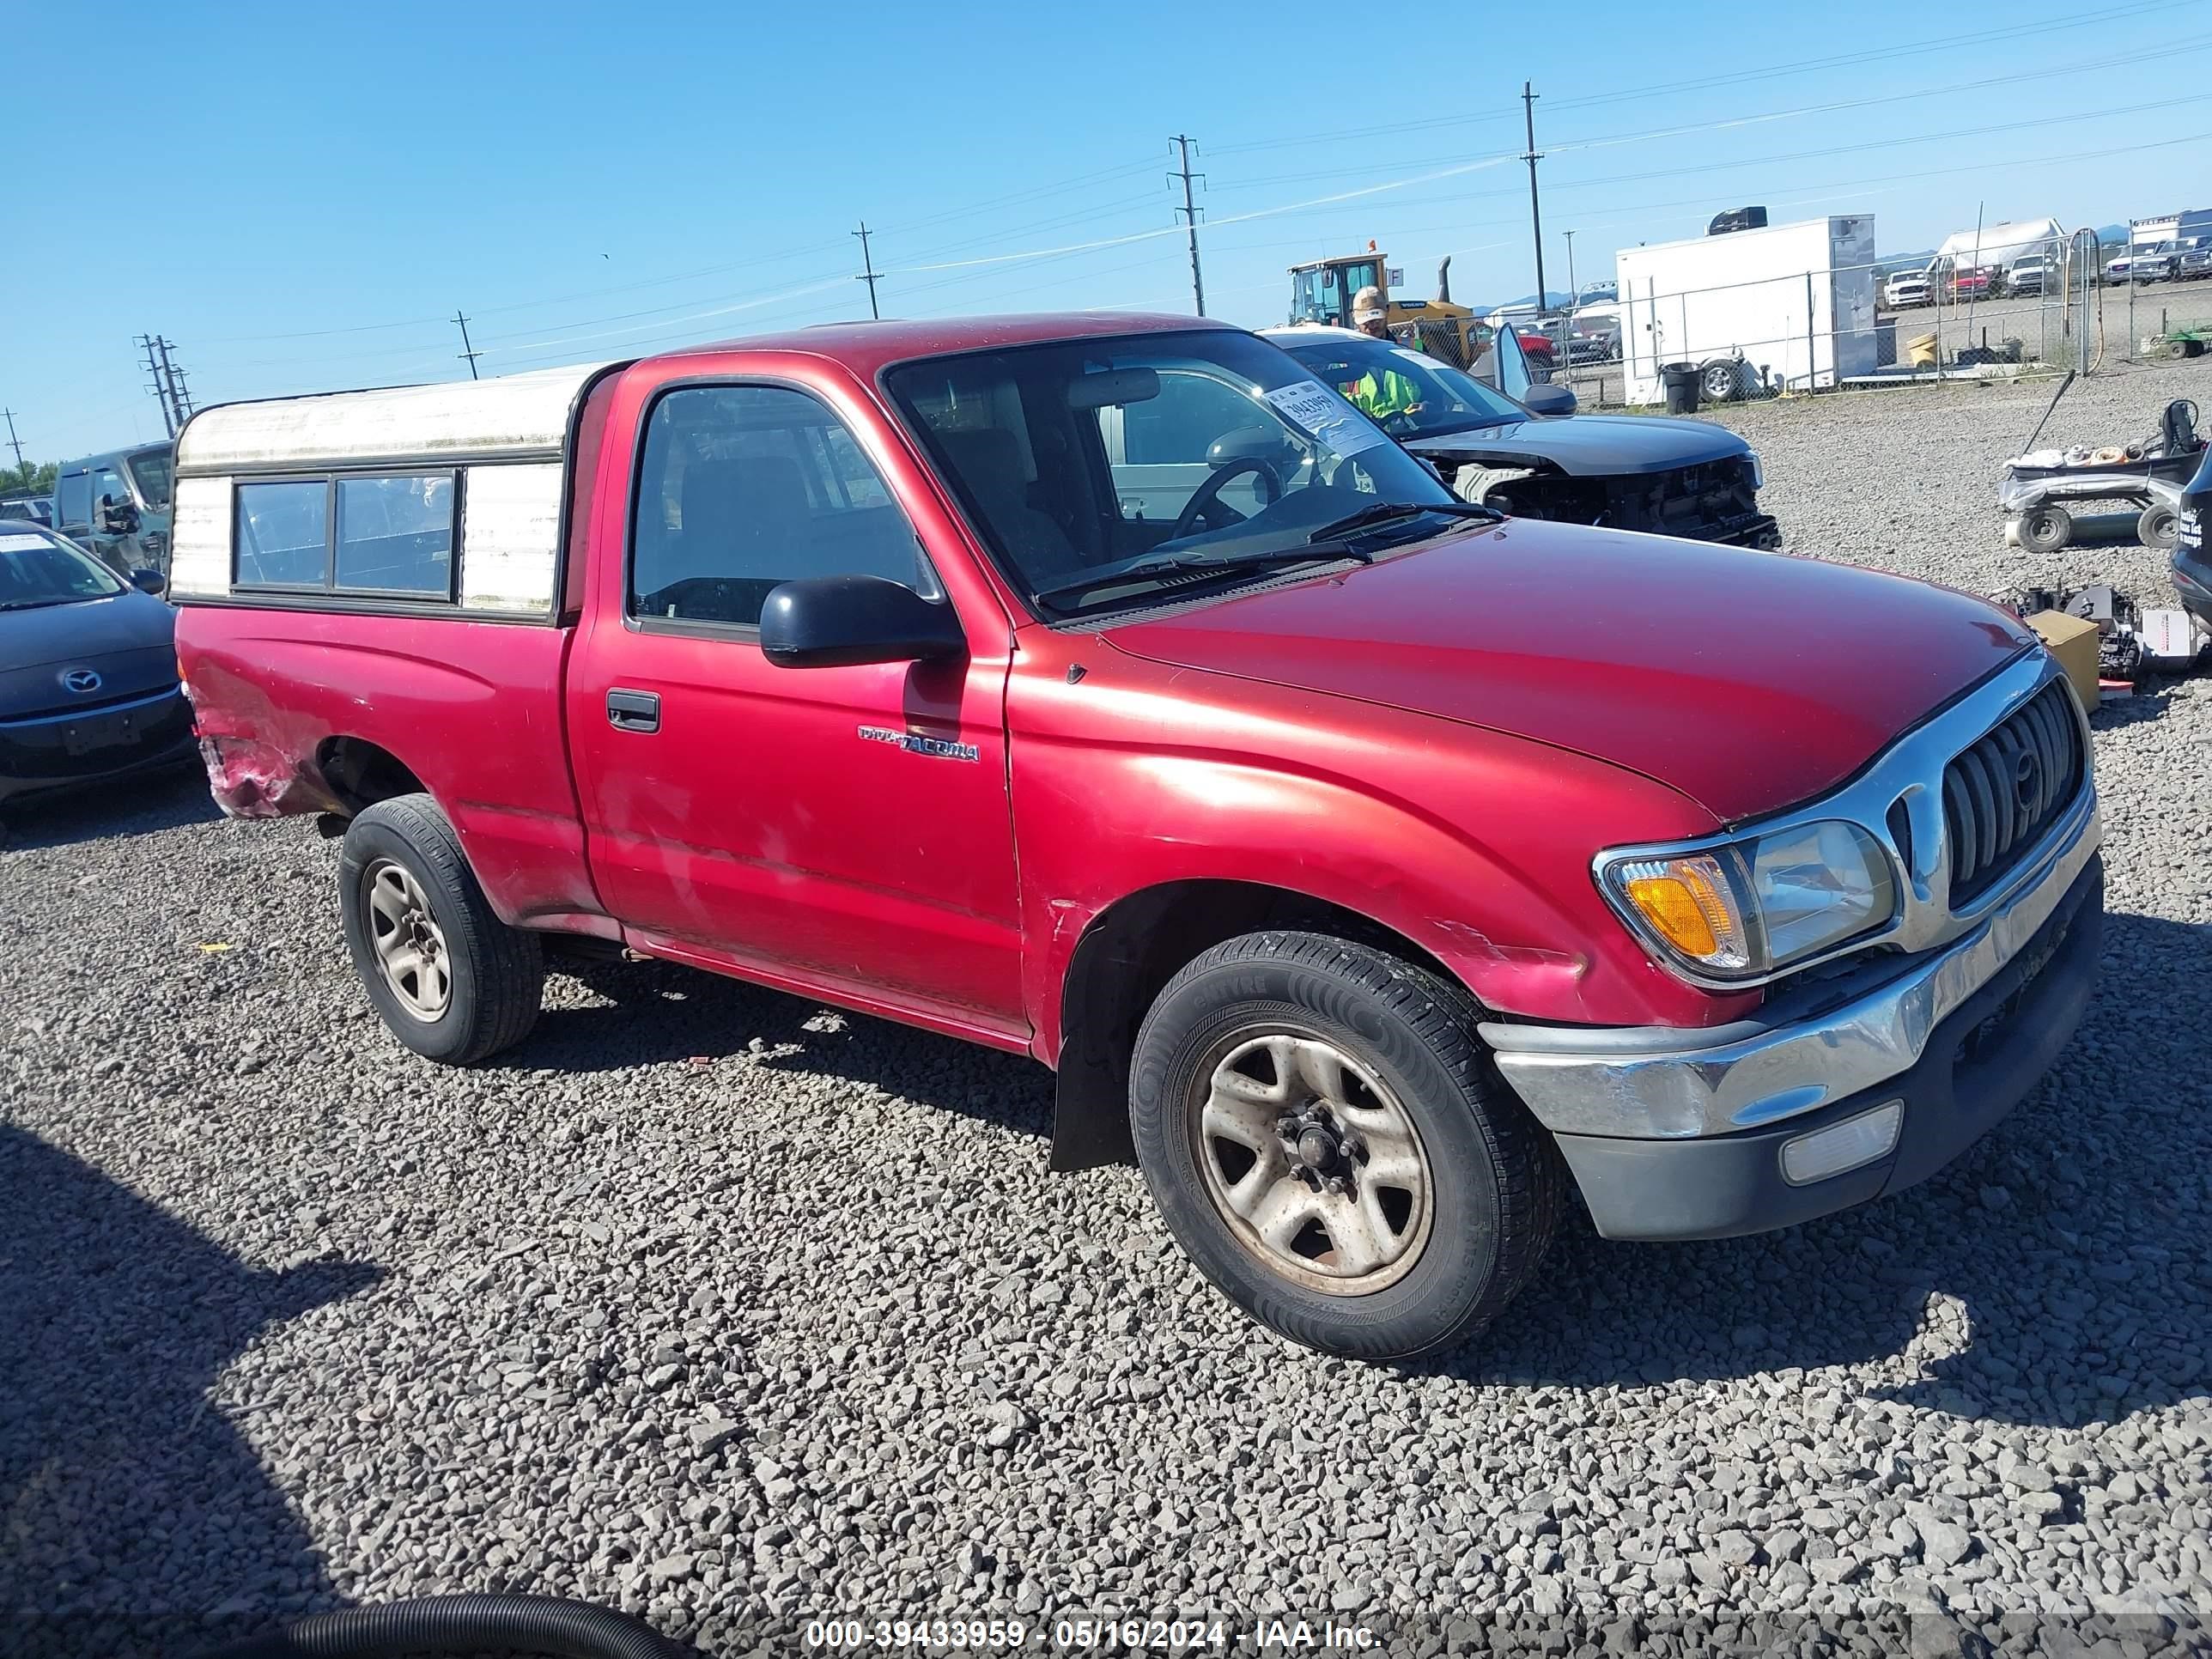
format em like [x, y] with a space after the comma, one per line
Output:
[1379, 394]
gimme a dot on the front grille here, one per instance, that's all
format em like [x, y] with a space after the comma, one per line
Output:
[2002, 795]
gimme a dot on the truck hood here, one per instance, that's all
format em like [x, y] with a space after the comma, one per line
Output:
[1588, 445]
[1748, 681]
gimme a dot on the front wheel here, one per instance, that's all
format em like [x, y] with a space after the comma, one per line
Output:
[453, 982]
[1326, 1138]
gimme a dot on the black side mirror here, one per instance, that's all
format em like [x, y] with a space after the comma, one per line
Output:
[834, 622]
[117, 518]
[149, 581]
[1549, 400]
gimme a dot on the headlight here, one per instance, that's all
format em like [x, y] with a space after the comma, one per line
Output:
[1750, 908]
[1758, 473]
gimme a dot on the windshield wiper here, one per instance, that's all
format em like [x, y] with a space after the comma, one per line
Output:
[1378, 512]
[1193, 563]
[30, 604]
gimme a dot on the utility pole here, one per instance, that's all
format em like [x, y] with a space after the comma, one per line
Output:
[156, 384]
[867, 270]
[467, 351]
[1574, 292]
[1536, 212]
[1189, 210]
[22, 473]
[180, 403]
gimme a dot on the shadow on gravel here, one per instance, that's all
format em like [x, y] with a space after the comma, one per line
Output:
[2073, 1234]
[2130, 711]
[657, 1012]
[133, 1517]
[142, 805]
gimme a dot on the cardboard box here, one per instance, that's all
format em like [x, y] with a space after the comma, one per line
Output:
[2073, 640]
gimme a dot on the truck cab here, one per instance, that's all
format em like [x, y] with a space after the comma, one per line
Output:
[1377, 870]
[117, 504]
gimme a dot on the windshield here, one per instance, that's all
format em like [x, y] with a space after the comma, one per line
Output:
[1209, 446]
[39, 569]
[1412, 396]
[151, 470]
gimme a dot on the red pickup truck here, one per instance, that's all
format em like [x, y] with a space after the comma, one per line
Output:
[1377, 871]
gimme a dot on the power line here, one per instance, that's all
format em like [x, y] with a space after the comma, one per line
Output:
[1668, 87]
[467, 351]
[2187, 44]
[16, 444]
[1190, 216]
[867, 270]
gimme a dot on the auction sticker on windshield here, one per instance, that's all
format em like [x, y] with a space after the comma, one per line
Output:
[1324, 416]
[23, 543]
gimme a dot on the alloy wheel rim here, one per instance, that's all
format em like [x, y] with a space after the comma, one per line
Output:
[1312, 1162]
[408, 945]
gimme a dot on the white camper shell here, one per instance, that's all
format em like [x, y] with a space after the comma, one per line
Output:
[1793, 303]
[439, 498]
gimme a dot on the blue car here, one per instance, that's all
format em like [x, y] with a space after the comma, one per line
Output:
[89, 687]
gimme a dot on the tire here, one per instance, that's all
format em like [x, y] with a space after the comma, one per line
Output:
[1721, 381]
[2177, 350]
[404, 886]
[1480, 1184]
[2045, 528]
[2158, 526]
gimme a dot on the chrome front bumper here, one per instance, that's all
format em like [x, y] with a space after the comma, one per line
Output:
[1663, 1083]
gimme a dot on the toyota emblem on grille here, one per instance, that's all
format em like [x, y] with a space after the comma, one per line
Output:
[81, 680]
[2027, 780]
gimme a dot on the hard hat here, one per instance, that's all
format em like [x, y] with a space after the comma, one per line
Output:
[1369, 302]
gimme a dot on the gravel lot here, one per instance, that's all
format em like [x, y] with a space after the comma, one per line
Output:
[721, 1307]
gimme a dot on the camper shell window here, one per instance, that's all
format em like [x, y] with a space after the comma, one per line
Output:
[386, 535]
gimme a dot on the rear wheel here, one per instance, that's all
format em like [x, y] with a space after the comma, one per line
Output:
[1326, 1138]
[453, 982]
[2045, 528]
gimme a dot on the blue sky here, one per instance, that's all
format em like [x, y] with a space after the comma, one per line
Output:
[301, 196]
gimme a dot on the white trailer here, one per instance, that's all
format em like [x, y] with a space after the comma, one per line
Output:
[1792, 303]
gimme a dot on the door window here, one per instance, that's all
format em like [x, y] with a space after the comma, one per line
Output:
[745, 487]
[107, 483]
[73, 499]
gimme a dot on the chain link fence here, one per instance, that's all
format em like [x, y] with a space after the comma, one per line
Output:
[1798, 331]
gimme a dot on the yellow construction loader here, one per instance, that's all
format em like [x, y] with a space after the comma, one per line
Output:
[1322, 291]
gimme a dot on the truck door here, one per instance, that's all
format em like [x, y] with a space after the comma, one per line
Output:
[843, 826]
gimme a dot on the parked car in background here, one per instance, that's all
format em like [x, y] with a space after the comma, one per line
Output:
[88, 684]
[1375, 870]
[2151, 262]
[39, 509]
[1588, 336]
[2029, 274]
[2192, 260]
[1906, 288]
[1972, 284]
[1534, 458]
[117, 504]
